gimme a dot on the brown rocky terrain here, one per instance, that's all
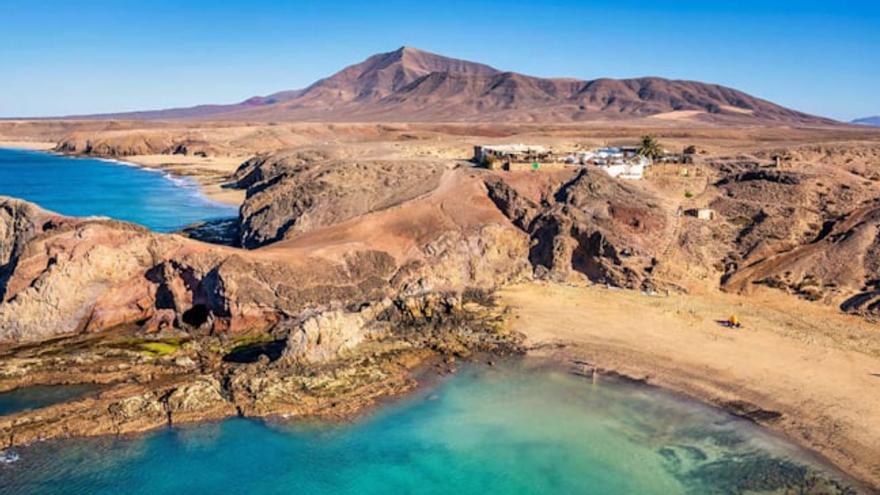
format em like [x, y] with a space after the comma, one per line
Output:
[292, 193]
[411, 85]
[366, 251]
[304, 328]
[590, 224]
[807, 226]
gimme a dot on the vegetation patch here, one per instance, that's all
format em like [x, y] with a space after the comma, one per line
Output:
[158, 349]
[151, 348]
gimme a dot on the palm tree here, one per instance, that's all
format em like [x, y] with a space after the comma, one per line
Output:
[649, 147]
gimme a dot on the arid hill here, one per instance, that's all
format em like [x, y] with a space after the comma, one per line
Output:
[872, 121]
[411, 85]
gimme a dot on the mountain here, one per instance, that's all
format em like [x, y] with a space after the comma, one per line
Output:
[872, 121]
[413, 85]
[200, 111]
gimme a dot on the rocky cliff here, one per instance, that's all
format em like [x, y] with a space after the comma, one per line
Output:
[62, 276]
[320, 323]
[592, 225]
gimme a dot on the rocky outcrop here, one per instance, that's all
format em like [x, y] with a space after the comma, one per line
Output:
[95, 275]
[88, 275]
[79, 276]
[334, 363]
[327, 336]
[808, 229]
[592, 225]
[122, 143]
[19, 223]
[292, 193]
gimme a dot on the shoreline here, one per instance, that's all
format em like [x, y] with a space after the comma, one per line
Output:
[208, 174]
[27, 145]
[583, 357]
[432, 372]
[795, 388]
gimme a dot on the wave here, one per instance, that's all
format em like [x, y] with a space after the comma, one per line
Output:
[9, 456]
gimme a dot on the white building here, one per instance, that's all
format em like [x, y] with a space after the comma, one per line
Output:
[633, 169]
[618, 162]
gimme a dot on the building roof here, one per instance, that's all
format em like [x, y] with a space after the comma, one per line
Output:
[515, 148]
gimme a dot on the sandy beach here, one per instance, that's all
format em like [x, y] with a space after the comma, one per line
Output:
[209, 172]
[799, 369]
[27, 145]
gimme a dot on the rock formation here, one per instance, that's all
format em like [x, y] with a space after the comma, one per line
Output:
[291, 193]
[593, 225]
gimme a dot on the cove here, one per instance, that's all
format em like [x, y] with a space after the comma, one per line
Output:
[88, 186]
[515, 428]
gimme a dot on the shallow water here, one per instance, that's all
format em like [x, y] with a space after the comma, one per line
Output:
[37, 396]
[87, 186]
[486, 430]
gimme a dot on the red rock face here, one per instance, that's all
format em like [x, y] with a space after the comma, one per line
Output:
[91, 275]
[591, 225]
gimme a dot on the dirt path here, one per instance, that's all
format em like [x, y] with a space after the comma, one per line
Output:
[819, 386]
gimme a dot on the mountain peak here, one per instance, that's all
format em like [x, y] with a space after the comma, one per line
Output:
[410, 84]
[425, 62]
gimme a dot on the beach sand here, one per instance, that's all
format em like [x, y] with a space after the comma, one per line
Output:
[209, 172]
[27, 145]
[797, 368]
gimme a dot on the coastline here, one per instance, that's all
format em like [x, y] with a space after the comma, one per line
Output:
[805, 404]
[775, 371]
[27, 145]
[208, 173]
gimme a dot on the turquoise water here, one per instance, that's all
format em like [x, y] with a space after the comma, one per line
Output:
[86, 186]
[37, 396]
[487, 430]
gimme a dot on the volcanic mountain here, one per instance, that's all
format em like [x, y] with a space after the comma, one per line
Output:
[411, 85]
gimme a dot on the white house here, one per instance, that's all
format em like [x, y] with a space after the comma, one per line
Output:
[626, 169]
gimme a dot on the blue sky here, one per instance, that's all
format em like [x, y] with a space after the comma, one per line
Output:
[67, 57]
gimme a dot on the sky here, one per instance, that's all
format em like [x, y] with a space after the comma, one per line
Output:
[62, 57]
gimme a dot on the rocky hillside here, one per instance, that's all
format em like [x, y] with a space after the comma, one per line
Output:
[413, 85]
[359, 267]
[325, 232]
[809, 229]
[295, 192]
[592, 225]
[63, 275]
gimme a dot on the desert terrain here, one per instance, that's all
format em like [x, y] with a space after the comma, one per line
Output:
[349, 230]
[366, 252]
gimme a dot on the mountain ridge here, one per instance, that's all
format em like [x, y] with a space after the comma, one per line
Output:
[412, 85]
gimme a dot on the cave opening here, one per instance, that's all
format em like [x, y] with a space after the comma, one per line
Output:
[196, 316]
